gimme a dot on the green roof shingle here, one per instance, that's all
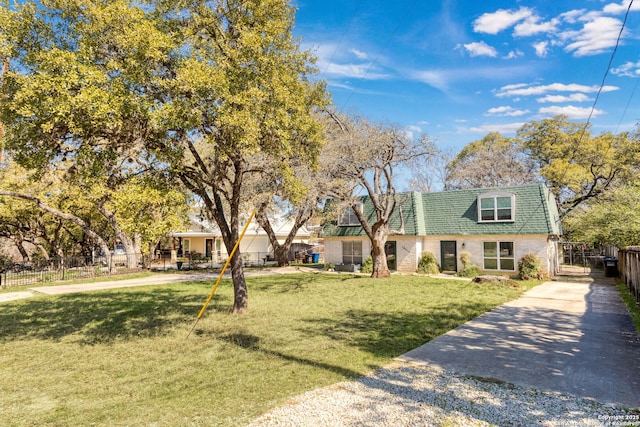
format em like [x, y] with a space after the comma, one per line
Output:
[456, 213]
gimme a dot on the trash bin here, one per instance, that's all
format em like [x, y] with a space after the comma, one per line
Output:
[611, 267]
[315, 257]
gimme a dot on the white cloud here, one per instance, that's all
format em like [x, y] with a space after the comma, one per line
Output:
[501, 128]
[435, 78]
[359, 54]
[514, 54]
[480, 49]
[525, 90]
[542, 48]
[446, 78]
[531, 26]
[628, 69]
[506, 111]
[596, 36]
[361, 71]
[617, 8]
[514, 86]
[572, 112]
[493, 23]
[338, 63]
[575, 97]
[573, 16]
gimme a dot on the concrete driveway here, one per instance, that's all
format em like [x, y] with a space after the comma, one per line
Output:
[564, 336]
[570, 336]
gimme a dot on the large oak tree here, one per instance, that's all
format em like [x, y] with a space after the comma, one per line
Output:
[240, 90]
[577, 165]
[193, 88]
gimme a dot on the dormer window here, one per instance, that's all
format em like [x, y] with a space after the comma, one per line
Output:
[348, 217]
[496, 207]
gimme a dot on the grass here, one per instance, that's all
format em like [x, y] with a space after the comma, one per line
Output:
[630, 300]
[122, 357]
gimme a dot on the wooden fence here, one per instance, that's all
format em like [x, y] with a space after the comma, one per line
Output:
[629, 269]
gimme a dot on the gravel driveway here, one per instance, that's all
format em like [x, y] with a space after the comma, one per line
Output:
[564, 354]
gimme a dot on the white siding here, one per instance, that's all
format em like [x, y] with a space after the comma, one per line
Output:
[333, 248]
[409, 249]
[539, 245]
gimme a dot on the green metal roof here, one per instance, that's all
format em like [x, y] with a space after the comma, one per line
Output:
[456, 213]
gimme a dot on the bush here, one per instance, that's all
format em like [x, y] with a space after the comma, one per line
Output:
[367, 266]
[465, 257]
[469, 271]
[428, 264]
[529, 267]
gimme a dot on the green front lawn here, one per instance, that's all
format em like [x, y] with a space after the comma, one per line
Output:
[122, 357]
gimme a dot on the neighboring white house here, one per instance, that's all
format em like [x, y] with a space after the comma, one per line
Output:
[496, 226]
[205, 240]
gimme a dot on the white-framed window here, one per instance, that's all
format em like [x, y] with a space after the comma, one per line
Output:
[348, 217]
[352, 252]
[496, 207]
[499, 256]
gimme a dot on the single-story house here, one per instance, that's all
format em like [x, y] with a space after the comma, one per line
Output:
[203, 239]
[495, 226]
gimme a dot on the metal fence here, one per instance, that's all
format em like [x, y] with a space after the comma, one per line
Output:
[629, 269]
[40, 272]
[68, 268]
[249, 259]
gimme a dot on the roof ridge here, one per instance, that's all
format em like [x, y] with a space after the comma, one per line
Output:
[419, 218]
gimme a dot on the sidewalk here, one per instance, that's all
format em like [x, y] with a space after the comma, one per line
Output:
[568, 336]
[156, 279]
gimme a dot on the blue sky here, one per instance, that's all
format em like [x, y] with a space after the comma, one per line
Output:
[458, 70]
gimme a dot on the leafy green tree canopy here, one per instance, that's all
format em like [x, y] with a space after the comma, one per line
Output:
[239, 94]
[613, 218]
[576, 165]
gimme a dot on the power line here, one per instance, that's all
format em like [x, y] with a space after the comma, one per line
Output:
[604, 78]
[606, 73]
[382, 49]
[626, 107]
[344, 33]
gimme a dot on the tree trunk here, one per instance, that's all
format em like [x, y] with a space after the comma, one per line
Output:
[281, 251]
[18, 242]
[129, 248]
[66, 216]
[380, 268]
[282, 255]
[241, 296]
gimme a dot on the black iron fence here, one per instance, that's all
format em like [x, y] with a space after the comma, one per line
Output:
[38, 272]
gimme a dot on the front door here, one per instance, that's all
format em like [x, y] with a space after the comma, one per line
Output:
[448, 255]
[208, 251]
[390, 251]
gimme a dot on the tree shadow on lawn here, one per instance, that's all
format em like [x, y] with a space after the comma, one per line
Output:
[252, 343]
[382, 334]
[287, 283]
[390, 334]
[99, 317]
